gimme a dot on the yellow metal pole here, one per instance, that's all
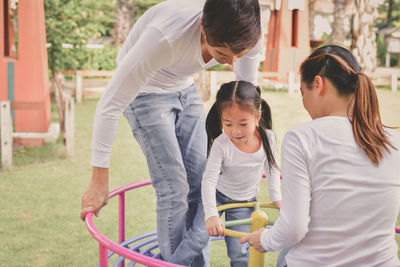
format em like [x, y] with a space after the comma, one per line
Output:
[259, 219]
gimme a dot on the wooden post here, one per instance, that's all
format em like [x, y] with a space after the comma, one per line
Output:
[213, 82]
[78, 86]
[394, 82]
[6, 129]
[387, 60]
[70, 127]
[291, 82]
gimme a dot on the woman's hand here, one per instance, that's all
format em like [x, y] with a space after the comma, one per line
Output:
[215, 226]
[254, 240]
[277, 204]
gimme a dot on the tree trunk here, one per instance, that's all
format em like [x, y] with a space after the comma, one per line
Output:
[338, 34]
[389, 13]
[311, 14]
[124, 19]
[363, 44]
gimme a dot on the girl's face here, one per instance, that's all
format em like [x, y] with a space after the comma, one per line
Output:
[239, 124]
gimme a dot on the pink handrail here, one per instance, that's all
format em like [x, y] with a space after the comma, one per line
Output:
[105, 243]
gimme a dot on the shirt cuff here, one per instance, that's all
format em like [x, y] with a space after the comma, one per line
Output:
[100, 159]
[263, 239]
[210, 213]
[277, 197]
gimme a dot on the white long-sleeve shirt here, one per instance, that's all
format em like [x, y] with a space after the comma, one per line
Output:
[160, 55]
[237, 174]
[338, 208]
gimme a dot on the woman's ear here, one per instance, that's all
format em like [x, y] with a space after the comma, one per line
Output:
[259, 116]
[319, 84]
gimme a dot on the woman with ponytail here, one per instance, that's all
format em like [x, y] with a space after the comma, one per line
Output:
[341, 181]
[241, 146]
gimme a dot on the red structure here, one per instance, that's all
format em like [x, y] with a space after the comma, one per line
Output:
[288, 41]
[23, 66]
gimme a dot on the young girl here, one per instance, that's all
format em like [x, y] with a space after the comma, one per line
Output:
[237, 158]
[341, 181]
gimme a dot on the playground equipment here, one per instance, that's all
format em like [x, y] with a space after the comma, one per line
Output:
[141, 249]
[259, 219]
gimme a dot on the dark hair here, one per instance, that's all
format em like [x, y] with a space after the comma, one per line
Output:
[248, 96]
[235, 23]
[340, 67]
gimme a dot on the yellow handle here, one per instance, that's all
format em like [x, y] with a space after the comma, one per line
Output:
[233, 233]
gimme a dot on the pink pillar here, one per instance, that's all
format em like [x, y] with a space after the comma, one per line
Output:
[30, 75]
[121, 220]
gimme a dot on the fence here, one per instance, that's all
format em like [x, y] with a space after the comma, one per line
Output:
[208, 82]
[7, 134]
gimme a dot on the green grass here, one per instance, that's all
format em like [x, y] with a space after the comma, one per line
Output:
[39, 218]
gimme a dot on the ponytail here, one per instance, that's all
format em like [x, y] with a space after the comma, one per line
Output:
[367, 126]
[213, 126]
[266, 123]
[342, 69]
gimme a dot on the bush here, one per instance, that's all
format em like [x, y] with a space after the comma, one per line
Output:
[101, 59]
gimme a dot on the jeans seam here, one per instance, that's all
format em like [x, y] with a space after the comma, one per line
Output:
[154, 155]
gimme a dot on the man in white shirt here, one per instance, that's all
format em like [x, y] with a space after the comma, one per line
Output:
[154, 87]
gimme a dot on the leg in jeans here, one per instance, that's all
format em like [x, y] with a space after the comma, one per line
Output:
[153, 118]
[238, 253]
[192, 139]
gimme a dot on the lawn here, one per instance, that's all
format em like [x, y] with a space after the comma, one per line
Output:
[39, 218]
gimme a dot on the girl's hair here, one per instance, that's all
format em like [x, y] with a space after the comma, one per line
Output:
[247, 96]
[341, 68]
[236, 23]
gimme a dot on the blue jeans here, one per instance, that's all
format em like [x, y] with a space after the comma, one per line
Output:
[170, 129]
[281, 261]
[238, 253]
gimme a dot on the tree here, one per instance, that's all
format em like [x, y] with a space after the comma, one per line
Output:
[124, 19]
[338, 34]
[363, 44]
[73, 23]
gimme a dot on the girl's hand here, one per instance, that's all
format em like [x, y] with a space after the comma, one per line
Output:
[277, 204]
[215, 226]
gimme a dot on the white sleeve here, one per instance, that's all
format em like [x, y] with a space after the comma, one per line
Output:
[150, 53]
[246, 67]
[273, 174]
[210, 178]
[292, 223]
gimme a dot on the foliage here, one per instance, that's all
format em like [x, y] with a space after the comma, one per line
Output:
[143, 5]
[74, 22]
[381, 47]
[220, 67]
[101, 59]
[393, 21]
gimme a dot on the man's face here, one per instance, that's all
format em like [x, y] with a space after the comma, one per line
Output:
[223, 54]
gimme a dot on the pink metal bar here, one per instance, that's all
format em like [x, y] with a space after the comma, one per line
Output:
[121, 221]
[105, 243]
[103, 256]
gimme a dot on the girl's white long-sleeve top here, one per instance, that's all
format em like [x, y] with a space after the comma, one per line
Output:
[338, 208]
[160, 55]
[237, 174]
